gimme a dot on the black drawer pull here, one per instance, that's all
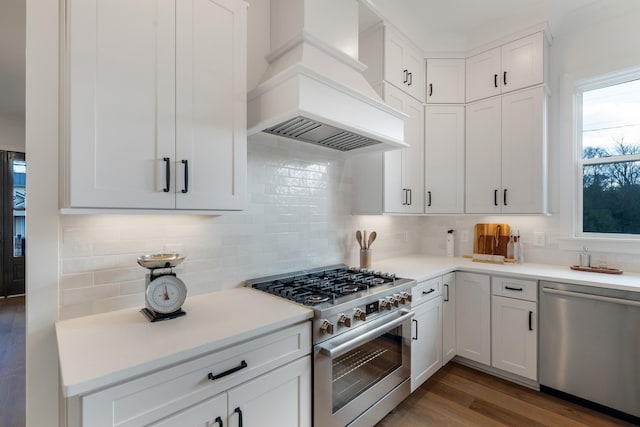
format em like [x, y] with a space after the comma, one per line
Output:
[430, 89]
[212, 377]
[504, 197]
[429, 198]
[495, 197]
[504, 78]
[495, 80]
[430, 291]
[416, 337]
[219, 421]
[531, 320]
[406, 76]
[239, 412]
[447, 297]
[186, 176]
[167, 174]
[509, 288]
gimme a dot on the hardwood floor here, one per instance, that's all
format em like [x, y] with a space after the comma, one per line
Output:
[461, 396]
[12, 362]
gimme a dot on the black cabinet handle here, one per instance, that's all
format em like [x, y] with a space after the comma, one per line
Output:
[447, 297]
[404, 197]
[429, 198]
[531, 320]
[212, 377]
[239, 412]
[167, 174]
[430, 291]
[430, 89]
[495, 80]
[495, 197]
[410, 198]
[406, 76]
[410, 79]
[504, 78]
[509, 288]
[186, 176]
[219, 421]
[504, 196]
[416, 337]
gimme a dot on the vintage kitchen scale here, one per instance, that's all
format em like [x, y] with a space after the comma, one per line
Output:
[164, 292]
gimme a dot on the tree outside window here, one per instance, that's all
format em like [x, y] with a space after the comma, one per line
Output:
[609, 167]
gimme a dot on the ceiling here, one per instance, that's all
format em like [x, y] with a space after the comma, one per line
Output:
[435, 25]
[462, 25]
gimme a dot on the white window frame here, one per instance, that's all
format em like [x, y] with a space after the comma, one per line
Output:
[581, 87]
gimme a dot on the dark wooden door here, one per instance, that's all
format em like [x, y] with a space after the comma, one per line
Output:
[13, 238]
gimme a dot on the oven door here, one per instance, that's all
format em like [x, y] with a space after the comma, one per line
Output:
[357, 369]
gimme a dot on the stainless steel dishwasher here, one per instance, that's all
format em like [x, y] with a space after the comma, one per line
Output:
[590, 346]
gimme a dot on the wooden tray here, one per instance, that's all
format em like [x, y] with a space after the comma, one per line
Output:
[596, 269]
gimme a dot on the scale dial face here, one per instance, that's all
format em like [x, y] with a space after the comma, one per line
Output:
[165, 294]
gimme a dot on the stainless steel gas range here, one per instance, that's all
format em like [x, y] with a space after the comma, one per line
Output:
[361, 336]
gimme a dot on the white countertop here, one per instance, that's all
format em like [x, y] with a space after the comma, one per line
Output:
[100, 350]
[423, 267]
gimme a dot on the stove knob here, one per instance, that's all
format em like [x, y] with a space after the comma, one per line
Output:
[396, 299]
[406, 295]
[343, 320]
[383, 304]
[326, 327]
[402, 298]
[359, 315]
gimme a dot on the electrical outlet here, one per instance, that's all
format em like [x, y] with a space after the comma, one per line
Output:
[464, 237]
[538, 238]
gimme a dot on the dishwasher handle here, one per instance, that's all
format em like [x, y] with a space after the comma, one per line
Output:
[591, 296]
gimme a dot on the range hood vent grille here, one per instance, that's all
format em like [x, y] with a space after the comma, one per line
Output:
[304, 129]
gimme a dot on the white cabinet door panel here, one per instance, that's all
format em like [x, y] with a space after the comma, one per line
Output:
[445, 81]
[210, 128]
[523, 152]
[426, 348]
[473, 317]
[444, 159]
[523, 63]
[483, 75]
[281, 398]
[448, 317]
[483, 157]
[413, 162]
[514, 336]
[121, 102]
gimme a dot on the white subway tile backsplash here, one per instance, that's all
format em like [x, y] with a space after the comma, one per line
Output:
[297, 217]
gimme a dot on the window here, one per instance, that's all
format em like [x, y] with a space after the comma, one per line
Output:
[609, 160]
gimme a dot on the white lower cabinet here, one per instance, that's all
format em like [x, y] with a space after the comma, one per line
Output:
[280, 398]
[448, 317]
[265, 381]
[514, 342]
[426, 348]
[473, 317]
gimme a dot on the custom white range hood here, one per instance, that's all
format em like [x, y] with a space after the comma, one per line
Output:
[313, 90]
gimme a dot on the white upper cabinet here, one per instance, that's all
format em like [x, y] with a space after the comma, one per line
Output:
[156, 105]
[444, 159]
[445, 81]
[513, 66]
[403, 168]
[506, 154]
[392, 58]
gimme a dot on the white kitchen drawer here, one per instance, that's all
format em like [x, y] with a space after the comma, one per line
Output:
[515, 288]
[425, 291]
[168, 390]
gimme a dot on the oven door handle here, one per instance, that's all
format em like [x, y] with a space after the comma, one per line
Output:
[339, 349]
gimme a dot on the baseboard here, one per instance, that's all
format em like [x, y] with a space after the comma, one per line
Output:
[525, 382]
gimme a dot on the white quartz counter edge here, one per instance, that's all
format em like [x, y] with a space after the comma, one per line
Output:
[101, 350]
[424, 267]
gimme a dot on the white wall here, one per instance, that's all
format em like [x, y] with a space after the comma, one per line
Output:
[42, 219]
[12, 132]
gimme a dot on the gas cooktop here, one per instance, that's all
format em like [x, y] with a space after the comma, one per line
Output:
[332, 284]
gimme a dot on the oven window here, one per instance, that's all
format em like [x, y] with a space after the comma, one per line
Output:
[360, 369]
